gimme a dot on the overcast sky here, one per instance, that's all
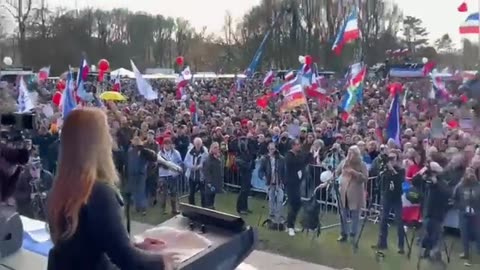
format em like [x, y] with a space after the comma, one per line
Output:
[439, 16]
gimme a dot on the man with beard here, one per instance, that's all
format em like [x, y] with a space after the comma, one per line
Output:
[295, 162]
[182, 141]
[245, 163]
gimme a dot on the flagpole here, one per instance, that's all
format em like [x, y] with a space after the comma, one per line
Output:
[310, 118]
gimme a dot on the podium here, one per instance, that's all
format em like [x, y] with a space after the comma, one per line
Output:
[232, 240]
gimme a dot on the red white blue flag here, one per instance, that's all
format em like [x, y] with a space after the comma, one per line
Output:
[348, 33]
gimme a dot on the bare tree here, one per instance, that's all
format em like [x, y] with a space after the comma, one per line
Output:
[20, 11]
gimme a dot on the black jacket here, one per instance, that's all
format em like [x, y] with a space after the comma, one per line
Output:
[293, 164]
[435, 204]
[391, 184]
[101, 241]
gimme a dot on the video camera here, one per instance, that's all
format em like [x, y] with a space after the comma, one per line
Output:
[14, 125]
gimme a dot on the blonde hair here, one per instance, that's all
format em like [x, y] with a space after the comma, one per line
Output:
[85, 157]
[213, 145]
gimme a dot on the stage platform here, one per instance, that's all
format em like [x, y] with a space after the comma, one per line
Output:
[26, 260]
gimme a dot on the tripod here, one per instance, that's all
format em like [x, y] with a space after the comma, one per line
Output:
[441, 238]
[378, 253]
[128, 198]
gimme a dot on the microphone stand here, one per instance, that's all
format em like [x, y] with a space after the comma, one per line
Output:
[127, 210]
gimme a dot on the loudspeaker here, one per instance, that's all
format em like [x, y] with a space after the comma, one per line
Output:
[11, 232]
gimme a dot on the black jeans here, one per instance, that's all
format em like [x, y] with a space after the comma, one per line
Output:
[245, 186]
[294, 204]
[195, 186]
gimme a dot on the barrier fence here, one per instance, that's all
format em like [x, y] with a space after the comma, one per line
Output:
[326, 197]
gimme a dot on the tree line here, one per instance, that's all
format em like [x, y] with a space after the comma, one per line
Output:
[59, 37]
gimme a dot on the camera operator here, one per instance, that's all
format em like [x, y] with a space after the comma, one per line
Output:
[466, 196]
[245, 160]
[33, 185]
[435, 205]
[272, 171]
[391, 178]
[10, 159]
[295, 162]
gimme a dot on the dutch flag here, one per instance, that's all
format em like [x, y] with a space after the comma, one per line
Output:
[349, 32]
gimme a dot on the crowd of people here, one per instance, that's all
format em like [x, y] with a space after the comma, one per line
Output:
[214, 134]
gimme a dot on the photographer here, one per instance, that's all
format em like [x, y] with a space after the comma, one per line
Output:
[33, 185]
[9, 170]
[272, 171]
[466, 196]
[295, 162]
[245, 149]
[435, 205]
[391, 178]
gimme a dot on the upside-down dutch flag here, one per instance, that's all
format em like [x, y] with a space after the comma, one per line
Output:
[316, 91]
[81, 79]
[268, 80]
[117, 85]
[393, 120]
[293, 96]
[439, 90]
[349, 32]
[43, 74]
[290, 75]
[182, 81]
[470, 25]
[282, 88]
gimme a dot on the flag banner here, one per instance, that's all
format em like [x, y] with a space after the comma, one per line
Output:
[348, 33]
[69, 102]
[470, 25]
[144, 88]
[393, 120]
[25, 102]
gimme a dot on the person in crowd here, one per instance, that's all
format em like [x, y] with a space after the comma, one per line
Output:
[193, 163]
[272, 171]
[83, 196]
[284, 144]
[182, 141]
[43, 140]
[245, 162]
[466, 196]
[169, 178]
[435, 206]
[354, 174]
[137, 161]
[213, 171]
[152, 169]
[32, 188]
[295, 162]
[391, 180]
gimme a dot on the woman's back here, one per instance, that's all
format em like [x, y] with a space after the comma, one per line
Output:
[101, 240]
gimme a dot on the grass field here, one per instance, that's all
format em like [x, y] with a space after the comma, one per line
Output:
[325, 250]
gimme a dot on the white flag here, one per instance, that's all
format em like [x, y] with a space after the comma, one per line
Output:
[25, 103]
[144, 88]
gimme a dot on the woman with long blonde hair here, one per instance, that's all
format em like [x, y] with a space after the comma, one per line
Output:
[84, 208]
[354, 175]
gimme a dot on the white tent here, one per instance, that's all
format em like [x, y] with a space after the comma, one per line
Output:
[122, 72]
